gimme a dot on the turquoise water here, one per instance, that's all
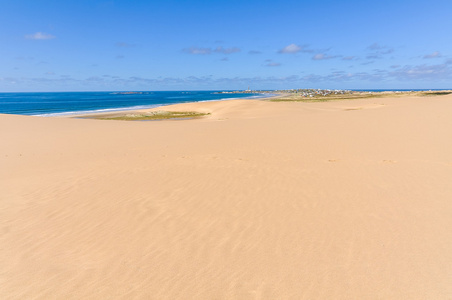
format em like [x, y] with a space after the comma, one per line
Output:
[54, 104]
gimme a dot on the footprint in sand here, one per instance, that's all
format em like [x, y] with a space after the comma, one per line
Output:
[388, 161]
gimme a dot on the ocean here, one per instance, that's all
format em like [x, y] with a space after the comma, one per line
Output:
[67, 103]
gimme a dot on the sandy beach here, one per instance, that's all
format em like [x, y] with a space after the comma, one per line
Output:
[347, 199]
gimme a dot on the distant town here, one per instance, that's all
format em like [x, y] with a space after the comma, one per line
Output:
[299, 92]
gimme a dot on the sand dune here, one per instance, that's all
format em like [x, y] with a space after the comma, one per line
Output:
[258, 200]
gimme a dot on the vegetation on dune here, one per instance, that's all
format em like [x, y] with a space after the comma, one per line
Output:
[155, 115]
[435, 93]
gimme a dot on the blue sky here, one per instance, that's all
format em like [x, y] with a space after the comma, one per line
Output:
[208, 45]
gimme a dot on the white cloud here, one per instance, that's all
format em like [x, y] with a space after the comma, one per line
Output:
[40, 36]
[254, 52]
[204, 51]
[292, 48]
[322, 56]
[271, 63]
[375, 46]
[423, 72]
[378, 51]
[435, 54]
[226, 50]
[408, 74]
[197, 50]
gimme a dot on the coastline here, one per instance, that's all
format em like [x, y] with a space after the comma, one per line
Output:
[171, 107]
[277, 96]
[346, 199]
[120, 110]
[302, 95]
[73, 103]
